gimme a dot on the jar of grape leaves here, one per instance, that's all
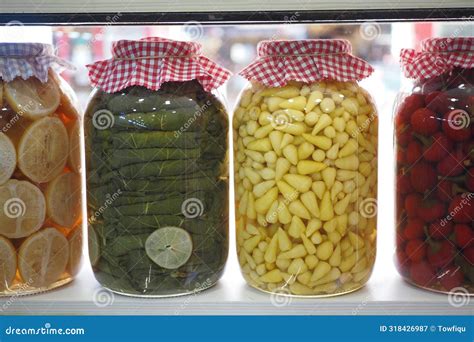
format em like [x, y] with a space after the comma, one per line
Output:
[157, 169]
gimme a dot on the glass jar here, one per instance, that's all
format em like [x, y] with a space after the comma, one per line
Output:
[40, 185]
[306, 187]
[434, 142]
[157, 165]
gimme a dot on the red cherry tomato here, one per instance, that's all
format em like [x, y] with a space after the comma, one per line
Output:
[424, 121]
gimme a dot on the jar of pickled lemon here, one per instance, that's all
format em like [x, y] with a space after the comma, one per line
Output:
[305, 150]
[40, 171]
[157, 169]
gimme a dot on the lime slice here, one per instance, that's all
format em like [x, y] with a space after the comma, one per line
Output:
[169, 247]
[32, 98]
[94, 249]
[7, 263]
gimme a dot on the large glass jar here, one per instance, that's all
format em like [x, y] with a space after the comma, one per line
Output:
[434, 142]
[306, 187]
[157, 166]
[40, 177]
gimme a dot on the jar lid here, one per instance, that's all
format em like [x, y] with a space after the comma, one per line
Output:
[29, 59]
[437, 56]
[152, 61]
[308, 60]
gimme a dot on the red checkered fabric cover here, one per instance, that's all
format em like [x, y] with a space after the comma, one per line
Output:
[27, 60]
[309, 60]
[437, 56]
[150, 62]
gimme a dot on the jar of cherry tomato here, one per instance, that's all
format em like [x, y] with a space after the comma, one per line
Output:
[434, 141]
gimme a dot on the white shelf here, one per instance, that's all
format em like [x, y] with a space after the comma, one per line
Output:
[385, 294]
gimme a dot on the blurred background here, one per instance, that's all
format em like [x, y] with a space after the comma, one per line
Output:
[234, 46]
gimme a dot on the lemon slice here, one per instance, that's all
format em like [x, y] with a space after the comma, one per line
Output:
[43, 150]
[13, 125]
[32, 98]
[75, 250]
[22, 209]
[43, 257]
[7, 158]
[63, 199]
[74, 160]
[1, 94]
[94, 249]
[169, 247]
[7, 263]
[68, 102]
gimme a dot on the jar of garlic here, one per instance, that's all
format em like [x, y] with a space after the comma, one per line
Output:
[305, 148]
